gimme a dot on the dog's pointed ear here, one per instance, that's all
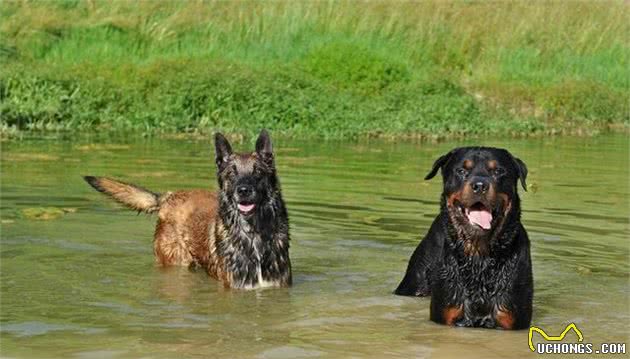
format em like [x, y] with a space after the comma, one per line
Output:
[222, 148]
[263, 144]
[439, 163]
[521, 169]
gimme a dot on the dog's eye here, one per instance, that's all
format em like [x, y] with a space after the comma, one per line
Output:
[497, 172]
[259, 172]
[461, 172]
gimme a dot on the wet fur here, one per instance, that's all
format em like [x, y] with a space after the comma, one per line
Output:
[475, 281]
[203, 229]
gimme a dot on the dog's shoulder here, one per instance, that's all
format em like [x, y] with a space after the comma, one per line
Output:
[180, 205]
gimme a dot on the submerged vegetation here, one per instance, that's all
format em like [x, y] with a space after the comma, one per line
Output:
[327, 69]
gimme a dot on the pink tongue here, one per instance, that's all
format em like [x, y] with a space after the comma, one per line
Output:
[480, 217]
[246, 207]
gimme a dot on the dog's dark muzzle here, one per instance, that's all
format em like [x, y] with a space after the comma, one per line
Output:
[480, 185]
[245, 192]
[245, 197]
[477, 202]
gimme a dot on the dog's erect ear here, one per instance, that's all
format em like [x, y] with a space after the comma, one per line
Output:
[263, 144]
[439, 163]
[222, 148]
[521, 169]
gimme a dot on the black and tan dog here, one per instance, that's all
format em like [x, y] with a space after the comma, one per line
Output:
[475, 261]
[239, 235]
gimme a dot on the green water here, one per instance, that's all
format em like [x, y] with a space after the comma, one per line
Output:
[84, 284]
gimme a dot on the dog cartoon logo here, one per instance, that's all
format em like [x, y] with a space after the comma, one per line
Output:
[553, 338]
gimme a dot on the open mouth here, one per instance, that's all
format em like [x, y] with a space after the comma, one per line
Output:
[479, 215]
[246, 208]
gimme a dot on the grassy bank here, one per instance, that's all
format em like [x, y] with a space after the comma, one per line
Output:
[329, 69]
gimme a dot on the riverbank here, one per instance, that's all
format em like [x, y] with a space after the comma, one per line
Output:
[330, 70]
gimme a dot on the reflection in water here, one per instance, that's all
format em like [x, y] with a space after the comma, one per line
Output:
[85, 284]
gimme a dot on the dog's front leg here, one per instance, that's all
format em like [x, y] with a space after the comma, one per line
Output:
[417, 279]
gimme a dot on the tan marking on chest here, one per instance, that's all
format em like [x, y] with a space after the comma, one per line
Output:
[452, 314]
[504, 318]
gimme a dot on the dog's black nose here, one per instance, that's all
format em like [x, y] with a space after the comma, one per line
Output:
[480, 187]
[244, 191]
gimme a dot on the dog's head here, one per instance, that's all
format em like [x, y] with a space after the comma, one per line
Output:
[480, 188]
[246, 180]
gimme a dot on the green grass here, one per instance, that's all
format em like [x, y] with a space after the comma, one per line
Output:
[323, 69]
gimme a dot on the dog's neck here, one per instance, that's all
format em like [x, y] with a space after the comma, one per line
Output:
[492, 244]
[255, 248]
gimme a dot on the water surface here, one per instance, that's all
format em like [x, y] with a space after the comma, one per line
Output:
[83, 283]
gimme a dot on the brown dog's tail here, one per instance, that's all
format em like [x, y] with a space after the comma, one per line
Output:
[133, 197]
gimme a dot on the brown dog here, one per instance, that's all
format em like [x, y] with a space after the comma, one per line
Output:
[239, 235]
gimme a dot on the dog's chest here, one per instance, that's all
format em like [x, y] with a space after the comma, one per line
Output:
[478, 280]
[262, 272]
[251, 260]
